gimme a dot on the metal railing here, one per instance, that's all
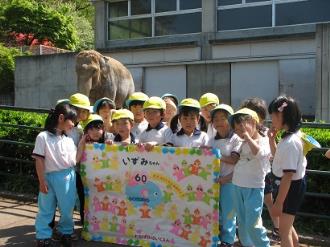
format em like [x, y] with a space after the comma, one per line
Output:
[24, 161]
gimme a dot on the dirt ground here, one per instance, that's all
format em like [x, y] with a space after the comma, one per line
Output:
[17, 226]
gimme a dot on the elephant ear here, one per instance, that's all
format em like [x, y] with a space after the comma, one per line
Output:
[104, 64]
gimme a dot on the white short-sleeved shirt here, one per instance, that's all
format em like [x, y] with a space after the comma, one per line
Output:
[58, 151]
[227, 146]
[138, 128]
[197, 139]
[289, 156]
[76, 134]
[161, 134]
[250, 170]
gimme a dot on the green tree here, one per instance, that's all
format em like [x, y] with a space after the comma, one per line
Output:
[7, 68]
[43, 22]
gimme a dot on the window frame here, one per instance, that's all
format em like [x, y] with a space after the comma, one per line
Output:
[244, 4]
[151, 15]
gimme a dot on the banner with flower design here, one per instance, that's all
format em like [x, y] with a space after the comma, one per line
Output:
[166, 197]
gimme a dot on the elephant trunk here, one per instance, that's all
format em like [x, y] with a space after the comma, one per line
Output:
[84, 85]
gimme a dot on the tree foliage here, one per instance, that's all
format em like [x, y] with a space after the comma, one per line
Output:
[7, 67]
[40, 22]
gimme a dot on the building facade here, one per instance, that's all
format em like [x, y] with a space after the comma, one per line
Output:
[234, 48]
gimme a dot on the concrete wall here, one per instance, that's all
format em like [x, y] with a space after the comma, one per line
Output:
[203, 78]
[41, 80]
[323, 72]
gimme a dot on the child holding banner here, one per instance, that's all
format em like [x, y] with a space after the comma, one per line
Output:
[289, 166]
[55, 156]
[229, 145]
[123, 122]
[93, 132]
[105, 107]
[157, 132]
[249, 178]
[188, 135]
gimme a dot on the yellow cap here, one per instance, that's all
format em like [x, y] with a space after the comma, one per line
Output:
[90, 119]
[80, 100]
[208, 98]
[137, 96]
[247, 111]
[122, 113]
[154, 103]
[224, 107]
[190, 103]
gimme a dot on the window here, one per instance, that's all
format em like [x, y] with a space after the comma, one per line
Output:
[164, 6]
[244, 14]
[178, 24]
[310, 11]
[131, 19]
[242, 18]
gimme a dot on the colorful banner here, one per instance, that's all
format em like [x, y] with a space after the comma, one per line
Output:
[166, 197]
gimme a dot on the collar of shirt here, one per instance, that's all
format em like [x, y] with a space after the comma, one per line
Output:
[218, 137]
[196, 132]
[158, 127]
[118, 138]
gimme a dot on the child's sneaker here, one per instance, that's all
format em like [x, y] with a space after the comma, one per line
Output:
[66, 240]
[276, 235]
[45, 243]
[57, 236]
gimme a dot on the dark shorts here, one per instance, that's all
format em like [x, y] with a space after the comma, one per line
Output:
[269, 184]
[295, 196]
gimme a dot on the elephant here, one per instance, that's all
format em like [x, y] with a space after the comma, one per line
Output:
[100, 76]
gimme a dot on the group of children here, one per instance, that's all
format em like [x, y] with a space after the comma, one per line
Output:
[247, 149]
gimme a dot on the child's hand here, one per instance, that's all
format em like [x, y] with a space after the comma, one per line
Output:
[110, 142]
[245, 133]
[43, 187]
[148, 146]
[221, 180]
[276, 209]
[327, 154]
[272, 132]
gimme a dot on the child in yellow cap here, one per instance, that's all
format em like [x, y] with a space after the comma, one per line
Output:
[189, 135]
[208, 102]
[249, 178]
[157, 133]
[123, 121]
[135, 104]
[105, 108]
[229, 144]
[259, 106]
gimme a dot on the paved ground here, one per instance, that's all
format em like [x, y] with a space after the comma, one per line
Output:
[17, 225]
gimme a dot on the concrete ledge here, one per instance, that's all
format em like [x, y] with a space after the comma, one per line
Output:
[307, 30]
[151, 43]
